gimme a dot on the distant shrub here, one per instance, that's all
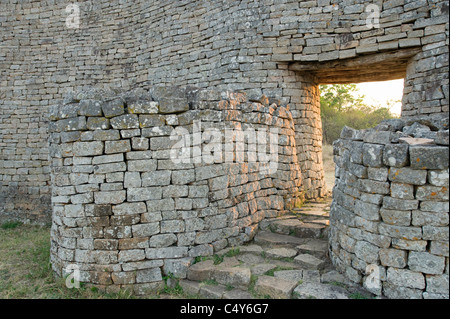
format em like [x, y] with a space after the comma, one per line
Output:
[340, 106]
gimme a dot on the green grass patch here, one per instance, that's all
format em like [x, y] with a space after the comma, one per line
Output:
[278, 268]
[210, 282]
[218, 259]
[200, 259]
[233, 252]
[25, 269]
[10, 225]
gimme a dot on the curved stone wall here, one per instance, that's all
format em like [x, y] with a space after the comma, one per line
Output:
[228, 45]
[390, 214]
[145, 181]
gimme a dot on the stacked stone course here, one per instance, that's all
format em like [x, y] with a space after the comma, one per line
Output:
[225, 45]
[390, 213]
[127, 214]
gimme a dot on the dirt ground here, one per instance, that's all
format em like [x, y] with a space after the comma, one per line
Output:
[328, 165]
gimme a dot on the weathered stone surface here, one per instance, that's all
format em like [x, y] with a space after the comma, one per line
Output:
[131, 255]
[166, 240]
[394, 258]
[373, 155]
[437, 284]
[166, 253]
[405, 278]
[173, 105]
[367, 252]
[191, 288]
[393, 291]
[396, 155]
[144, 194]
[145, 230]
[396, 217]
[432, 193]
[309, 262]
[333, 277]
[439, 177]
[201, 271]
[400, 204]
[278, 253]
[290, 275]
[113, 108]
[114, 197]
[276, 288]
[402, 191]
[426, 263]
[148, 275]
[112, 147]
[125, 122]
[88, 148]
[233, 276]
[261, 269]
[310, 290]
[429, 157]
[317, 248]
[212, 292]
[408, 176]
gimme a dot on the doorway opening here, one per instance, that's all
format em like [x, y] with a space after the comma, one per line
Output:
[347, 84]
[357, 105]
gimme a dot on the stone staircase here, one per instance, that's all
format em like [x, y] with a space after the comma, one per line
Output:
[286, 259]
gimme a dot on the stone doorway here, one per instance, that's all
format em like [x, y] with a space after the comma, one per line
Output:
[385, 66]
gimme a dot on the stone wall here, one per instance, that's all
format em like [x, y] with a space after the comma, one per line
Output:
[390, 214]
[128, 209]
[281, 49]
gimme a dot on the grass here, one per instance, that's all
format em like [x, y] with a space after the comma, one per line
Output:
[218, 259]
[10, 225]
[278, 268]
[210, 282]
[25, 270]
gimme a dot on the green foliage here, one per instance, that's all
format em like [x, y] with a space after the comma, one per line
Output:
[10, 225]
[341, 106]
[233, 252]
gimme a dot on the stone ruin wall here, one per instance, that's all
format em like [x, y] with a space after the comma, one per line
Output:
[389, 219]
[260, 47]
[126, 213]
[280, 49]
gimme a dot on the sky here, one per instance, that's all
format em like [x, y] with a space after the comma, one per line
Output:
[379, 93]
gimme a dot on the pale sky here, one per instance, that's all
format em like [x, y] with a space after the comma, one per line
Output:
[379, 93]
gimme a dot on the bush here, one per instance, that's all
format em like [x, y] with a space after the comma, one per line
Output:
[340, 106]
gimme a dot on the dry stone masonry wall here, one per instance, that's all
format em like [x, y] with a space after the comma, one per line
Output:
[390, 212]
[282, 49]
[127, 212]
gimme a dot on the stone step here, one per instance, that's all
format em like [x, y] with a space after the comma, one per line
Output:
[298, 228]
[310, 290]
[312, 212]
[307, 261]
[316, 247]
[238, 277]
[275, 288]
[270, 239]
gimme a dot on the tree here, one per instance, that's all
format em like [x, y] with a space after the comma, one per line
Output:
[341, 105]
